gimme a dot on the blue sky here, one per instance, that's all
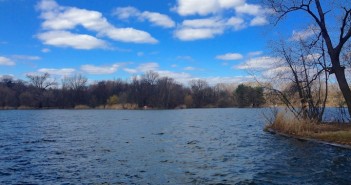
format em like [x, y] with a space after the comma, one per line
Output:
[218, 41]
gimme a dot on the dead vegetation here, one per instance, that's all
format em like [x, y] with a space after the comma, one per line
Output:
[328, 132]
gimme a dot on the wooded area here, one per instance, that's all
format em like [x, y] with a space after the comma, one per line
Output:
[150, 90]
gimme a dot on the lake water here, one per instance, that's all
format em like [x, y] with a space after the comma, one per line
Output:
[194, 146]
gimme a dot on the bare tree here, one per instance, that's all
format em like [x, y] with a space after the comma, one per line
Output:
[76, 86]
[305, 80]
[334, 40]
[41, 81]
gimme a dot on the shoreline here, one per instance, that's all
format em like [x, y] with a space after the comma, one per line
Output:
[310, 138]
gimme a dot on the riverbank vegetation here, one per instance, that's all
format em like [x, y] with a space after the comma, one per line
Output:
[308, 64]
[148, 91]
[332, 132]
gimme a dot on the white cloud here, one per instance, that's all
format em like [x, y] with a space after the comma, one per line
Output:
[62, 19]
[6, 61]
[260, 63]
[180, 77]
[200, 29]
[47, 5]
[130, 71]
[193, 7]
[259, 21]
[304, 34]
[282, 72]
[68, 39]
[98, 70]
[126, 12]
[237, 23]
[206, 28]
[190, 34]
[158, 19]
[203, 23]
[230, 56]
[155, 18]
[152, 66]
[129, 35]
[59, 72]
[245, 15]
[255, 53]
[26, 57]
[250, 9]
[228, 80]
[312, 57]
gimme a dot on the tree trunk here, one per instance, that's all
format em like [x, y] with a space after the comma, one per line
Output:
[344, 87]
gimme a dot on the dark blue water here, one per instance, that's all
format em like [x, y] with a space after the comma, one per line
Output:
[204, 146]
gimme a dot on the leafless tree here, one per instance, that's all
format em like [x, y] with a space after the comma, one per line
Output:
[334, 40]
[305, 88]
[41, 81]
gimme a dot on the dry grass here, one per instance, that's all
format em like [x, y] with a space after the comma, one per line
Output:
[340, 137]
[291, 126]
[329, 132]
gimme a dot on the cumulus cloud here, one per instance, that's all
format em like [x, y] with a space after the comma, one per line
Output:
[312, 57]
[255, 53]
[228, 80]
[99, 70]
[230, 56]
[251, 9]
[193, 7]
[282, 72]
[258, 21]
[153, 17]
[68, 39]
[4, 61]
[142, 68]
[59, 72]
[152, 66]
[126, 12]
[200, 29]
[260, 63]
[130, 70]
[245, 15]
[237, 23]
[60, 21]
[304, 34]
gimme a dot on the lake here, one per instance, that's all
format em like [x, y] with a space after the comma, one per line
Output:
[193, 146]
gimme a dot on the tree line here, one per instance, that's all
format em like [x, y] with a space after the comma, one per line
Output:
[150, 90]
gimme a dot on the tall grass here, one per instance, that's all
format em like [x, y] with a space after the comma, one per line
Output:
[330, 132]
[290, 125]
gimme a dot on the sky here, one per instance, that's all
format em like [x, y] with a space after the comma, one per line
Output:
[215, 40]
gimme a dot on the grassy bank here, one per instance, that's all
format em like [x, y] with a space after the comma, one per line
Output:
[327, 132]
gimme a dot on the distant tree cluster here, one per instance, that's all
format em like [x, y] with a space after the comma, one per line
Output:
[149, 90]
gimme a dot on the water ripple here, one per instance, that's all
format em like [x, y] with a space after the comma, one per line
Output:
[203, 146]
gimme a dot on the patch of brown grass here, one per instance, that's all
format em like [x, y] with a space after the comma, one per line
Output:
[292, 126]
[329, 132]
[341, 137]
